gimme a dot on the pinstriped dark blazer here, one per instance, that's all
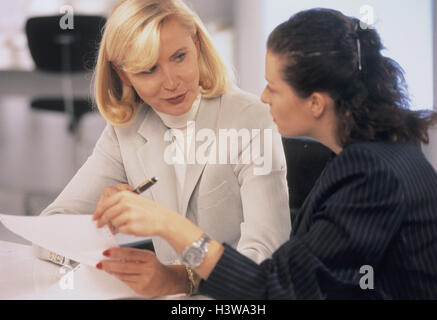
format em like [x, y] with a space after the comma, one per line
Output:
[374, 205]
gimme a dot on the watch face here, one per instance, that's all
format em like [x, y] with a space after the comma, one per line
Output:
[193, 256]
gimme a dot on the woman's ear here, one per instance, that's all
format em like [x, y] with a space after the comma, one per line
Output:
[318, 104]
[122, 75]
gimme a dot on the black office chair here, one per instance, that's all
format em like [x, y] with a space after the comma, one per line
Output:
[64, 51]
[306, 160]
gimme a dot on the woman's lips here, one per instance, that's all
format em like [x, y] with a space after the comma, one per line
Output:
[177, 99]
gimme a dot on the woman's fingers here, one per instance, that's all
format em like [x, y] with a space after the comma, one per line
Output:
[127, 261]
[130, 254]
[141, 270]
[109, 203]
[131, 214]
[131, 280]
[123, 187]
[107, 193]
[112, 228]
[131, 222]
[110, 213]
[120, 220]
[123, 267]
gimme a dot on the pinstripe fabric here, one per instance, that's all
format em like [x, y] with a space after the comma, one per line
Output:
[375, 204]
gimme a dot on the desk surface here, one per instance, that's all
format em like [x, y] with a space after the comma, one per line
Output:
[23, 277]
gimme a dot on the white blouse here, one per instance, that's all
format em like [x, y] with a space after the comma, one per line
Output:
[181, 143]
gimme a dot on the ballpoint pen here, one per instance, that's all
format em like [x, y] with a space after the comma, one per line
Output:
[146, 185]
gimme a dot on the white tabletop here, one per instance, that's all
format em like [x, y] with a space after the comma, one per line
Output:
[24, 277]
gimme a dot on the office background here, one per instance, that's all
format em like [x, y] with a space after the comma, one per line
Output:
[39, 154]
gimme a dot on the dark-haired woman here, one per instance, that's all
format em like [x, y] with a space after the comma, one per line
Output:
[368, 229]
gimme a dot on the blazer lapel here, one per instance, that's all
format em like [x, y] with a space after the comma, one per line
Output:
[207, 118]
[151, 155]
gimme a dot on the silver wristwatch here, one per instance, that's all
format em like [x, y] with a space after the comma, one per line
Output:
[194, 254]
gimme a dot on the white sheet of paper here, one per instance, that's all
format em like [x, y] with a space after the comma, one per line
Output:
[83, 283]
[73, 236]
[6, 252]
[23, 277]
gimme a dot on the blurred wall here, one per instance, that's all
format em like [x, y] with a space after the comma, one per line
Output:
[217, 16]
[431, 149]
[250, 44]
[219, 12]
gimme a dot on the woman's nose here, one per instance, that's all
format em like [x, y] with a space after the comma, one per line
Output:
[264, 97]
[170, 82]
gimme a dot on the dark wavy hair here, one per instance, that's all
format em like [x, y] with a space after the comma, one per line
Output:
[326, 51]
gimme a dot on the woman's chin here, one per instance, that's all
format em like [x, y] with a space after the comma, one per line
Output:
[285, 132]
[181, 110]
[177, 110]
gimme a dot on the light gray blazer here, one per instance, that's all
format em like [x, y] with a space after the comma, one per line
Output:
[228, 201]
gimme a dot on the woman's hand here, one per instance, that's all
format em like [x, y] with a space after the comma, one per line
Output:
[109, 191]
[143, 273]
[132, 214]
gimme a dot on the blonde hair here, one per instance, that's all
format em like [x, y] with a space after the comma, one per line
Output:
[131, 41]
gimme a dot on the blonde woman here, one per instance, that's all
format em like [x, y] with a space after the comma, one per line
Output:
[166, 95]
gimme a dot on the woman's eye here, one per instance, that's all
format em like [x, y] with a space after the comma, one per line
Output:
[150, 71]
[180, 57]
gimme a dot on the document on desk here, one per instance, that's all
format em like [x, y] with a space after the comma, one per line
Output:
[24, 277]
[73, 236]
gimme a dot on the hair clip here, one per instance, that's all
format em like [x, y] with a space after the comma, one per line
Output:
[360, 67]
[357, 27]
